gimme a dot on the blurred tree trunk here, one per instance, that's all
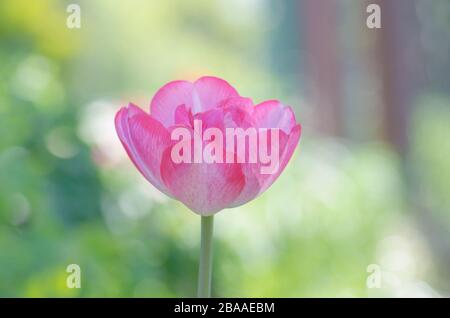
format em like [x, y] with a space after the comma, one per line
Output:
[323, 64]
[399, 61]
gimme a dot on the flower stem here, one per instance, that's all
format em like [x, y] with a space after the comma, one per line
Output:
[205, 267]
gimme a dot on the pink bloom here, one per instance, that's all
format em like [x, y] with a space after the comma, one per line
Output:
[205, 188]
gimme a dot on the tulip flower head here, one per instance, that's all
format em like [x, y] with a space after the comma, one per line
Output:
[206, 146]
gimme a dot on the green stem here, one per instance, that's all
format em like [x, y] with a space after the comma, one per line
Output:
[205, 267]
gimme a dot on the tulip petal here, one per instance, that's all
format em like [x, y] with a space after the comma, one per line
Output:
[256, 182]
[241, 102]
[288, 143]
[206, 93]
[252, 186]
[204, 188]
[183, 116]
[273, 114]
[144, 140]
[235, 113]
[210, 92]
[168, 98]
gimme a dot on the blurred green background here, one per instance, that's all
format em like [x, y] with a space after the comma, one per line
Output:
[369, 183]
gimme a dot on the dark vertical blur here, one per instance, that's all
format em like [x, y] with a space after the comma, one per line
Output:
[321, 45]
[400, 61]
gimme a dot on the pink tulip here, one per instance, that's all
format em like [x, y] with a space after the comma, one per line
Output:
[205, 188]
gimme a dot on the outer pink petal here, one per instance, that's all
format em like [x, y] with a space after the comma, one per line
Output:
[241, 102]
[234, 113]
[145, 140]
[204, 188]
[252, 186]
[168, 98]
[206, 93]
[210, 92]
[286, 153]
[257, 183]
[273, 114]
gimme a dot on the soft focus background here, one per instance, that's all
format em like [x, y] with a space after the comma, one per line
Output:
[367, 192]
